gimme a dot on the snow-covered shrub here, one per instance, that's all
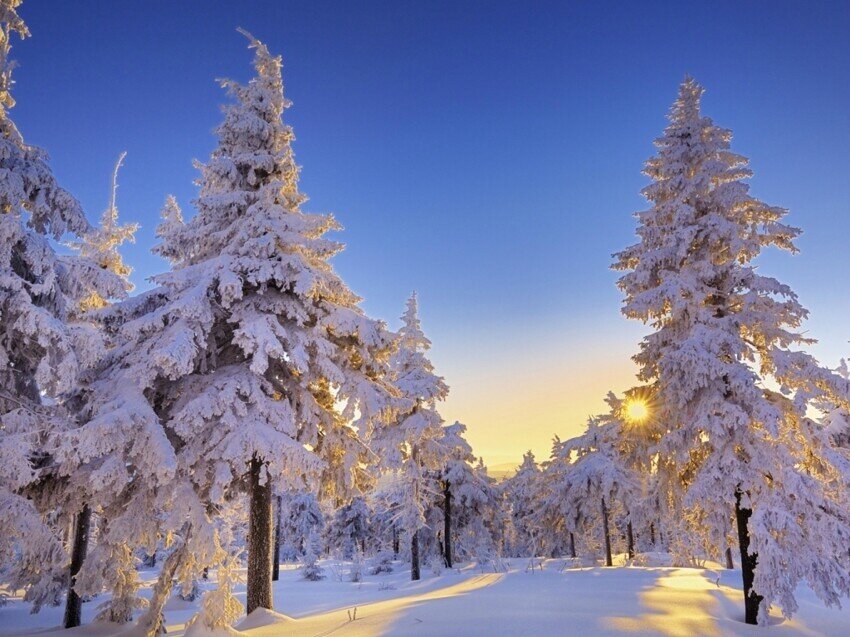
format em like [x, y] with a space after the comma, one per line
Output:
[355, 574]
[436, 564]
[288, 553]
[382, 563]
[219, 607]
[190, 590]
[310, 568]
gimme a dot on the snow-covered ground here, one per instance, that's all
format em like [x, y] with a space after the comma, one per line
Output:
[471, 601]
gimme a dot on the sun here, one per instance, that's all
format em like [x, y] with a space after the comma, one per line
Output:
[636, 410]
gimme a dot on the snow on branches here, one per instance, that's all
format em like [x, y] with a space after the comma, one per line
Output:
[720, 330]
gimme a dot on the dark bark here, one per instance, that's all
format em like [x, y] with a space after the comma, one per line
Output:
[608, 560]
[652, 533]
[630, 536]
[395, 542]
[447, 523]
[414, 556]
[729, 564]
[748, 562]
[276, 558]
[259, 594]
[572, 545]
[74, 603]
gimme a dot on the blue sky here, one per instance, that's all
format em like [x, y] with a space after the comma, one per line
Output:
[487, 154]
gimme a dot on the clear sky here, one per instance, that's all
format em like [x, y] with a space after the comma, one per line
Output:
[487, 154]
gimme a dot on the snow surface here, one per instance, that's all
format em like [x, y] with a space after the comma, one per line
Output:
[551, 599]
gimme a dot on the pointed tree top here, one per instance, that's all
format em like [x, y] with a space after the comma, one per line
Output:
[411, 313]
[411, 330]
[687, 104]
[268, 69]
[110, 215]
[10, 22]
[171, 210]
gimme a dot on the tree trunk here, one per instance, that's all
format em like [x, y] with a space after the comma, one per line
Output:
[630, 536]
[729, 563]
[259, 594]
[608, 560]
[652, 533]
[395, 542]
[414, 556]
[447, 523]
[748, 562]
[572, 545]
[276, 558]
[73, 603]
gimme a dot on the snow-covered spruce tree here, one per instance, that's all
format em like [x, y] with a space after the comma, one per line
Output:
[469, 501]
[385, 500]
[634, 431]
[260, 350]
[310, 569]
[101, 248]
[349, 528]
[720, 330]
[455, 475]
[301, 517]
[412, 442]
[519, 492]
[39, 350]
[590, 479]
[479, 521]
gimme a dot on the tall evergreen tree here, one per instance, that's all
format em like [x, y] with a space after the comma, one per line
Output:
[258, 352]
[413, 442]
[519, 492]
[720, 329]
[40, 351]
[101, 247]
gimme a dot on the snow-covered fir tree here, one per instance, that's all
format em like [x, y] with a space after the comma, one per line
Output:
[468, 502]
[588, 484]
[301, 517]
[40, 348]
[413, 442]
[311, 570]
[100, 247]
[720, 330]
[254, 351]
[518, 492]
[349, 528]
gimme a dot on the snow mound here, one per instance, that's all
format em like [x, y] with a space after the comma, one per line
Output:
[652, 559]
[261, 617]
[578, 562]
[199, 629]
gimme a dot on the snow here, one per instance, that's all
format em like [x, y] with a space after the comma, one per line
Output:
[141, 423]
[473, 601]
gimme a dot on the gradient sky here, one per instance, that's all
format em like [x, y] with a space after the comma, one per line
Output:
[487, 154]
